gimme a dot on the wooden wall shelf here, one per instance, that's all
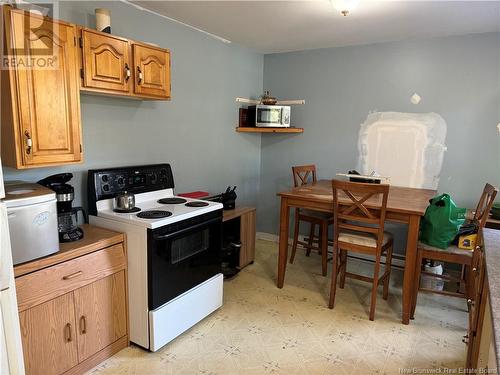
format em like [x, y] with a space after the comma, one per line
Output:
[268, 130]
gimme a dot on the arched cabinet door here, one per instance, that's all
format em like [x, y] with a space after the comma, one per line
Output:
[41, 101]
[151, 71]
[106, 64]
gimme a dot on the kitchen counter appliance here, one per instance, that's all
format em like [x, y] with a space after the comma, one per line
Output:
[32, 216]
[67, 215]
[174, 250]
[269, 116]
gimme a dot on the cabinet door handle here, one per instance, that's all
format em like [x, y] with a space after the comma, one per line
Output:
[68, 332]
[73, 275]
[83, 324]
[127, 73]
[29, 142]
[139, 76]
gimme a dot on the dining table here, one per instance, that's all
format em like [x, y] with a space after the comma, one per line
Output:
[404, 205]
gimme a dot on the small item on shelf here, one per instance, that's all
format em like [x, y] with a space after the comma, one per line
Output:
[243, 118]
[267, 99]
[103, 20]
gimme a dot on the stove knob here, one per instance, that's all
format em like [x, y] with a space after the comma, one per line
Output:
[105, 188]
[153, 178]
[104, 178]
[120, 181]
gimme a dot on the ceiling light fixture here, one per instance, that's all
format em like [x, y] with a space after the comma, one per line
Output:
[345, 6]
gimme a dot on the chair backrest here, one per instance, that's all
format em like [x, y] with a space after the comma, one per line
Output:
[303, 174]
[350, 211]
[485, 203]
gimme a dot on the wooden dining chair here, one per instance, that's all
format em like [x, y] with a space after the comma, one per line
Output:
[303, 175]
[453, 254]
[360, 229]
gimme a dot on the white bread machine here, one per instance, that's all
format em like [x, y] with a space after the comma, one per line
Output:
[32, 216]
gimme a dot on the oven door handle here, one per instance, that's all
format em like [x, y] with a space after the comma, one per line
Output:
[189, 229]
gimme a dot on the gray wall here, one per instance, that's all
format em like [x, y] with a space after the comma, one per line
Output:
[457, 77]
[194, 132]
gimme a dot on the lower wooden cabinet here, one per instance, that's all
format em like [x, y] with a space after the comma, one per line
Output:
[49, 336]
[242, 221]
[247, 237]
[101, 314]
[78, 320]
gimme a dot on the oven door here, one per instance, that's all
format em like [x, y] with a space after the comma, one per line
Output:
[183, 255]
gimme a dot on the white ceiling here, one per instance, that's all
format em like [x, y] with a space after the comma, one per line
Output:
[279, 26]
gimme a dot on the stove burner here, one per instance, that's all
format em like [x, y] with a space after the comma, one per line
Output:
[172, 200]
[196, 204]
[132, 210]
[154, 214]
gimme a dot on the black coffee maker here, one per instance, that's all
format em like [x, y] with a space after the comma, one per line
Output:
[67, 215]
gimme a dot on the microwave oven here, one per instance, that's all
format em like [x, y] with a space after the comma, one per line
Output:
[263, 116]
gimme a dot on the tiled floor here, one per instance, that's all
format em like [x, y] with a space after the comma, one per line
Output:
[264, 330]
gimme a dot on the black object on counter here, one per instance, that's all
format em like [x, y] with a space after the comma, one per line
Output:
[228, 198]
[67, 215]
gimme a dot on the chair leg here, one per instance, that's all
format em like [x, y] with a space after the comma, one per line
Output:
[311, 238]
[333, 286]
[375, 287]
[343, 268]
[295, 236]
[416, 282]
[387, 280]
[324, 247]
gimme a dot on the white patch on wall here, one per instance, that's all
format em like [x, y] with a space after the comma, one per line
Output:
[407, 147]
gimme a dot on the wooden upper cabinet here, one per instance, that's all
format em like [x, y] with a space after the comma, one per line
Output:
[49, 337]
[41, 102]
[152, 71]
[106, 63]
[117, 66]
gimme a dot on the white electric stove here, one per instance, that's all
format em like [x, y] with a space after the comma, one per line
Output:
[150, 202]
[173, 248]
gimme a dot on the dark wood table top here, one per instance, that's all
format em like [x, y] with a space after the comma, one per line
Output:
[401, 199]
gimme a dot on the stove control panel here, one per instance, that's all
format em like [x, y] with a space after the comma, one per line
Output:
[106, 183]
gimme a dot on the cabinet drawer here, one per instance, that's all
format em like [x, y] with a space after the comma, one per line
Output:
[51, 282]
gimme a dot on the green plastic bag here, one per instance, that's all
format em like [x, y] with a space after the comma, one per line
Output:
[441, 222]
